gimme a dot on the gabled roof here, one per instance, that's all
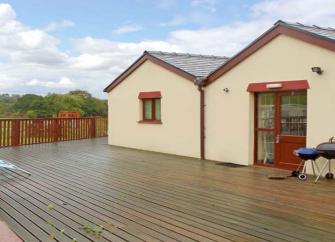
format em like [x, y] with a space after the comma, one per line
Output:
[328, 33]
[197, 65]
[189, 66]
[211, 68]
[323, 37]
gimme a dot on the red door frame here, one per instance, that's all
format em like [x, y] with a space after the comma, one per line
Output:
[276, 130]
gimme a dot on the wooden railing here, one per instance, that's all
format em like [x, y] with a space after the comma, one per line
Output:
[14, 132]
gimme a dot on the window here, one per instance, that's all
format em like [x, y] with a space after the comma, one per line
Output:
[152, 109]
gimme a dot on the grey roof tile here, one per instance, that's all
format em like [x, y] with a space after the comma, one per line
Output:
[328, 33]
[196, 65]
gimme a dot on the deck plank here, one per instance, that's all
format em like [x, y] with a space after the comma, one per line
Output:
[150, 206]
[146, 196]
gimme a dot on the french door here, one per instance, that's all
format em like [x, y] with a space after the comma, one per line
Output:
[280, 128]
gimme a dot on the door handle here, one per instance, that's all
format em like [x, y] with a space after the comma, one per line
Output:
[277, 139]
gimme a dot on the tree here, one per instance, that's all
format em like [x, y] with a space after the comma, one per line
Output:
[31, 105]
[6, 105]
[94, 107]
[40, 109]
[25, 102]
[65, 102]
[80, 93]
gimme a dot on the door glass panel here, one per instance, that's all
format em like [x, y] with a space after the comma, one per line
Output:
[266, 110]
[265, 147]
[293, 110]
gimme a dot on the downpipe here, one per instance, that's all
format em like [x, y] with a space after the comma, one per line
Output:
[200, 82]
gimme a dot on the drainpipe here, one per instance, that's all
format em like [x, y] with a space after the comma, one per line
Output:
[200, 82]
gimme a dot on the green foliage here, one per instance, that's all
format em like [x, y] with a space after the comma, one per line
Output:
[93, 230]
[50, 206]
[40, 108]
[25, 102]
[94, 107]
[80, 93]
[35, 106]
[6, 105]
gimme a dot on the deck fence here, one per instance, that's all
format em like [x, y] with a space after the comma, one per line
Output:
[15, 132]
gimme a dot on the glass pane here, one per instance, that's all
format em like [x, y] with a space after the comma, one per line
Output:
[293, 115]
[147, 105]
[266, 110]
[265, 147]
[158, 109]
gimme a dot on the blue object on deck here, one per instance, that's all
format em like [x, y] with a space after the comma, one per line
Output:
[8, 165]
[307, 153]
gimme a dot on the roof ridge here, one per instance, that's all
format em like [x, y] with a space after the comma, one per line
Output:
[186, 54]
[304, 25]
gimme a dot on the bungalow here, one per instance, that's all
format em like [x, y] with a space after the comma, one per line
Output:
[253, 108]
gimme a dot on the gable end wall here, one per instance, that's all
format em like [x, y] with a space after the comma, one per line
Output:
[179, 132]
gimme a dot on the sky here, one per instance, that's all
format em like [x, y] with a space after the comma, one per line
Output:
[61, 45]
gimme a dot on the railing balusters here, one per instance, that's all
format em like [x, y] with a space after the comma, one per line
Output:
[14, 132]
[1, 136]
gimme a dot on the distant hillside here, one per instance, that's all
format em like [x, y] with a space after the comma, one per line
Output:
[35, 106]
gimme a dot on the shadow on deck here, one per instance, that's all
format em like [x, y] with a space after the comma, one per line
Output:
[90, 191]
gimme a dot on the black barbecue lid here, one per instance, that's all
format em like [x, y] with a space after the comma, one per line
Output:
[326, 147]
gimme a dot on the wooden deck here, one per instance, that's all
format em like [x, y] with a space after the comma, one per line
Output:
[90, 191]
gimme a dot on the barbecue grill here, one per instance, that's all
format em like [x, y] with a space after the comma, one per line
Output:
[305, 154]
[327, 150]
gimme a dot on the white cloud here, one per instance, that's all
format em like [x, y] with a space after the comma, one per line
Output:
[101, 54]
[34, 82]
[35, 63]
[53, 26]
[6, 13]
[64, 82]
[225, 40]
[34, 39]
[129, 28]
[21, 43]
[305, 11]
[88, 61]
[31, 61]
[40, 56]
[229, 39]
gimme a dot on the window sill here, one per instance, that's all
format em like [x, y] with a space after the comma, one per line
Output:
[150, 122]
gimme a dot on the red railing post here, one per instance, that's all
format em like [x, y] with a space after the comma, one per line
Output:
[15, 132]
[92, 131]
[56, 129]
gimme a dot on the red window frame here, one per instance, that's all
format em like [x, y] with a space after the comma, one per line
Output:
[152, 97]
[153, 109]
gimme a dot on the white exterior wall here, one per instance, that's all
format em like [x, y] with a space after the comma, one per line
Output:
[230, 116]
[180, 129]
